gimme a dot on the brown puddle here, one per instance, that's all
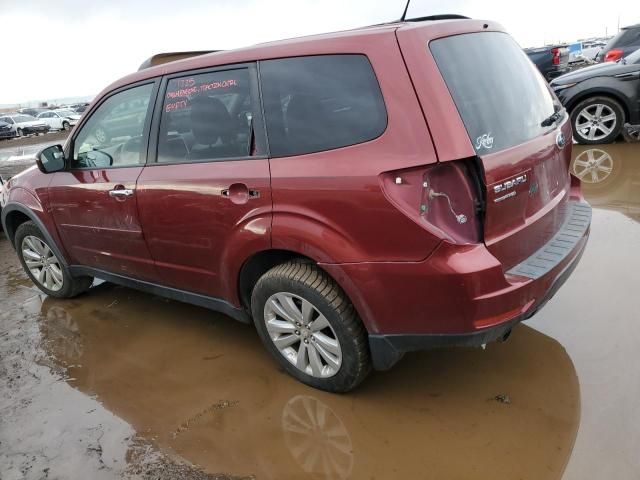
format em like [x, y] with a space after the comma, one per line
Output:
[610, 176]
[201, 388]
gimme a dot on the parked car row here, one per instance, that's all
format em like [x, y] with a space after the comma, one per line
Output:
[21, 124]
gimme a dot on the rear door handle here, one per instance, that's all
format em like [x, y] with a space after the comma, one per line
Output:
[239, 193]
[121, 192]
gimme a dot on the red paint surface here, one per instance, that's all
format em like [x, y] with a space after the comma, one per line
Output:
[337, 207]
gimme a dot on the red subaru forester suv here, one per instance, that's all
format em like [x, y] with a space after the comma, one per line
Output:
[356, 195]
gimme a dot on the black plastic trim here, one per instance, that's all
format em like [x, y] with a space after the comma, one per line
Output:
[13, 207]
[386, 350]
[200, 300]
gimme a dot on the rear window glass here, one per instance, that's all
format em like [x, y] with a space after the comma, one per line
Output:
[629, 36]
[320, 103]
[500, 95]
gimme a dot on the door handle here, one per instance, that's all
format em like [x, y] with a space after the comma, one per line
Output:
[120, 192]
[239, 193]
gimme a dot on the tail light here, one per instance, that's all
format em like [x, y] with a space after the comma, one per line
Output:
[556, 56]
[613, 55]
[443, 198]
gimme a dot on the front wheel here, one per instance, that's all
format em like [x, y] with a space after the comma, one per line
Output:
[19, 133]
[310, 327]
[43, 267]
[597, 120]
[65, 126]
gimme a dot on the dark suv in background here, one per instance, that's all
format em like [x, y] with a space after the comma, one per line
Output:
[552, 60]
[625, 42]
[355, 195]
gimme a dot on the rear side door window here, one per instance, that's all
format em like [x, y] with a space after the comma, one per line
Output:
[207, 117]
[321, 102]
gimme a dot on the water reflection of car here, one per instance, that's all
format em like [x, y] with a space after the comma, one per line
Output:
[6, 130]
[610, 177]
[62, 119]
[24, 124]
[601, 98]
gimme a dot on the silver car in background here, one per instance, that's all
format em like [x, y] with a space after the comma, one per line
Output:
[61, 119]
[24, 124]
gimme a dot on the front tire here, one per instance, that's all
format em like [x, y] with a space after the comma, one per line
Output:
[43, 267]
[19, 133]
[310, 327]
[65, 126]
[597, 120]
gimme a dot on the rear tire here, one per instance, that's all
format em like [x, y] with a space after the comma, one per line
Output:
[45, 270]
[19, 133]
[323, 327]
[597, 120]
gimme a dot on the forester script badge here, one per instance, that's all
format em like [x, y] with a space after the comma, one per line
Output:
[484, 141]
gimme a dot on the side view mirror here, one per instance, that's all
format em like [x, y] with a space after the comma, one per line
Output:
[51, 159]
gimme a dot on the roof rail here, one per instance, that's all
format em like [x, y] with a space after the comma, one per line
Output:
[445, 16]
[167, 57]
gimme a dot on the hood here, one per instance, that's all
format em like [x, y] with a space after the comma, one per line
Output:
[599, 70]
[75, 116]
[22, 177]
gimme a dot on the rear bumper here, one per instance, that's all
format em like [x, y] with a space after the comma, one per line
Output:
[386, 350]
[460, 296]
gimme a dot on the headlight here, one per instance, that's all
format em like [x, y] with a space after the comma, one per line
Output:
[557, 88]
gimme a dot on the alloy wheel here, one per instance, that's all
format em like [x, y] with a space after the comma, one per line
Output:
[596, 121]
[302, 335]
[42, 263]
[593, 165]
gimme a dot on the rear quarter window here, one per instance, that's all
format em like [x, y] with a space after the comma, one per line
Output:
[319, 103]
[499, 93]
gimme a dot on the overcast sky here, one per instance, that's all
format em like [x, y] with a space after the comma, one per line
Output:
[62, 48]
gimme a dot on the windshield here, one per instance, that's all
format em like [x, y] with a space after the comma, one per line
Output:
[65, 113]
[633, 57]
[500, 95]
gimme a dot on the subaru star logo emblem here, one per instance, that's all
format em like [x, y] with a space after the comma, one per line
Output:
[561, 141]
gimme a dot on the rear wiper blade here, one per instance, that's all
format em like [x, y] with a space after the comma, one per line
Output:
[553, 118]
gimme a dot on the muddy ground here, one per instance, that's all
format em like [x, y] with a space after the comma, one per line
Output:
[118, 383]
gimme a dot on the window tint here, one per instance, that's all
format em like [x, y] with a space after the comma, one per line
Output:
[501, 97]
[319, 103]
[206, 117]
[112, 137]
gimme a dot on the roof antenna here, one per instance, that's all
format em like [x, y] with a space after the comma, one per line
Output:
[404, 14]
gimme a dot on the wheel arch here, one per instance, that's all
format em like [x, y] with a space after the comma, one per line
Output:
[260, 262]
[257, 265]
[15, 214]
[613, 95]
